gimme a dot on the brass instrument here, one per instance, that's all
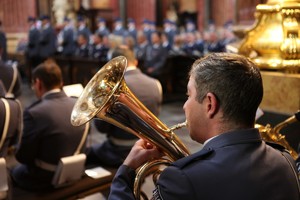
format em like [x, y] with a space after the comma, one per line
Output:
[273, 42]
[108, 98]
[273, 135]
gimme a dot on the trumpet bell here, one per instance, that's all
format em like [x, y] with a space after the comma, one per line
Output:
[99, 91]
[108, 98]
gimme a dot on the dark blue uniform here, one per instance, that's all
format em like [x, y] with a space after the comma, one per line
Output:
[213, 173]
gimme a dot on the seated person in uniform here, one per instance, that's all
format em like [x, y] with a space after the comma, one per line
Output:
[11, 114]
[48, 134]
[83, 47]
[10, 77]
[156, 56]
[114, 150]
[10, 130]
[98, 49]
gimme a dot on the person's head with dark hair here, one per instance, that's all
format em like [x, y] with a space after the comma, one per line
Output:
[82, 39]
[45, 77]
[98, 38]
[81, 21]
[230, 86]
[45, 19]
[127, 53]
[31, 19]
[156, 37]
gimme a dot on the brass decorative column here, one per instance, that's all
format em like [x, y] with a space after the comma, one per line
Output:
[273, 42]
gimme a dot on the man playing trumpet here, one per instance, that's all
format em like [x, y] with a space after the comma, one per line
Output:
[224, 92]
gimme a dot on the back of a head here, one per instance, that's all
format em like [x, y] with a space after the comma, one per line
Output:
[82, 39]
[235, 81]
[114, 41]
[126, 52]
[156, 36]
[49, 73]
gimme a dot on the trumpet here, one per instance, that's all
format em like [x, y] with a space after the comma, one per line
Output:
[107, 97]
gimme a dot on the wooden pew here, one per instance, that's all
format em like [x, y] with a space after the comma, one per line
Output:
[179, 69]
[83, 69]
[77, 69]
[65, 65]
[84, 187]
[175, 77]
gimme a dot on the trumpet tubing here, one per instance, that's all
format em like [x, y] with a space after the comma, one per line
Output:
[108, 98]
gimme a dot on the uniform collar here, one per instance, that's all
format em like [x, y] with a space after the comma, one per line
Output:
[224, 139]
[234, 137]
[57, 90]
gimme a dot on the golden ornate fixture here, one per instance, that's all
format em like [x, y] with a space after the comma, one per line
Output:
[273, 42]
[272, 134]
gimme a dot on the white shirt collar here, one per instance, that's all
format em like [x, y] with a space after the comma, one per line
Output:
[209, 140]
[130, 68]
[51, 91]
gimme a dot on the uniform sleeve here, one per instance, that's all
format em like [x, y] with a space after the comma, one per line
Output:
[173, 184]
[27, 151]
[17, 122]
[103, 126]
[122, 185]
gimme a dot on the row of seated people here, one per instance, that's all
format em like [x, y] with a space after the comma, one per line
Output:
[152, 54]
[173, 73]
[153, 57]
[153, 60]
[48, 134]
[75, 40]
[152, 48]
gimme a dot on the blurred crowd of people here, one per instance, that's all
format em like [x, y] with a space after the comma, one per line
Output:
[151, 44]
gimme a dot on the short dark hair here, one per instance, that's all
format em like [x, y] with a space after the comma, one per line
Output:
[124, 51]
[234, 80]
[49, 73]
[99, 35]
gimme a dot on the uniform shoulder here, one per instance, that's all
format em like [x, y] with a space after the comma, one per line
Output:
[201, 155]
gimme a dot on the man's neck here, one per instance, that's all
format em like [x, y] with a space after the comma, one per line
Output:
[55, 90]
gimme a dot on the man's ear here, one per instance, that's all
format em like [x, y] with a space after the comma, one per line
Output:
[39, 83]
[136, 62]
[212, 104]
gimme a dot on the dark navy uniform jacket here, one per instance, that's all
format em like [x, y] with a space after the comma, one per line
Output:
[47, 42]
[48, 135]
[156, 56]
[33, 42]
[69, 44]
[235, 165]
[7, 76]
[15, 121]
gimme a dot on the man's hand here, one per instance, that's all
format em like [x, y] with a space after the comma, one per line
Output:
[140, 153]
